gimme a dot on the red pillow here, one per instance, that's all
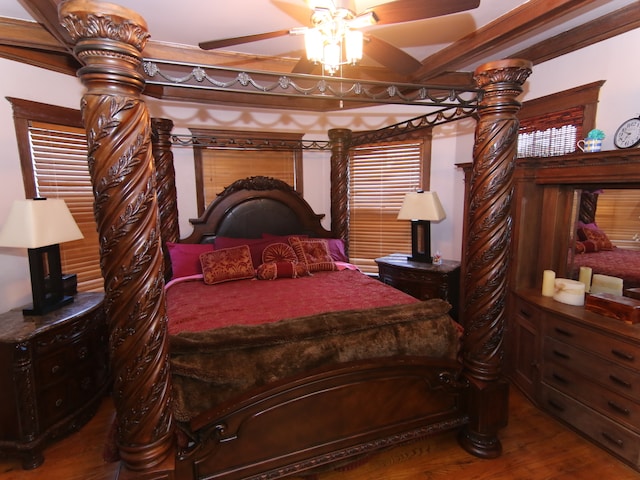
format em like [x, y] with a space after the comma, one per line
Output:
[336, 245]
[273, 270]
[185, 258]
[256, 245]
[598, 237]
[314, 253]
[227, 264]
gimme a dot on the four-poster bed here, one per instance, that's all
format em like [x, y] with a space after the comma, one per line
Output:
[329, 413]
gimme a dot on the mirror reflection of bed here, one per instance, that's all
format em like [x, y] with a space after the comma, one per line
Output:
[606, 236]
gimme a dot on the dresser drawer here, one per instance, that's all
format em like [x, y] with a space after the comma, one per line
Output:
[57, 366]
[607, 402]
[611, 348]
[615, 438]
[610, 375]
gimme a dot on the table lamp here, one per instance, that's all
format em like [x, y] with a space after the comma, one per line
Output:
[421, 208]
[40, 225]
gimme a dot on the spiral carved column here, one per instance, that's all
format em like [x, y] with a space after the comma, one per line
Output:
[166, 186]
[340, 142]
[108, 41]
[487, 253]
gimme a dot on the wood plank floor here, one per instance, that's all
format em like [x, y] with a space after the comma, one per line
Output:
[535, 447]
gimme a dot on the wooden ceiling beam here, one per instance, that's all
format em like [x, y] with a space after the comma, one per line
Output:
[494, 36]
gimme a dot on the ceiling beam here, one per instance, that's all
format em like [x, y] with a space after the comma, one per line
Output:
[493, 37]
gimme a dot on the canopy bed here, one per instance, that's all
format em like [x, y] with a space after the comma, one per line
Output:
[394, 372]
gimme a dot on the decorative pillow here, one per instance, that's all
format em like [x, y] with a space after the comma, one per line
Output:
[185, 258]
[598, 237]
[279, 252]
[336, 250]
[588, 246]
[313, 253]
[283, 269]
[227, 264]
[256, 245]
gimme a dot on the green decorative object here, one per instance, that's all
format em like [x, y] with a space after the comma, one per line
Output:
[595, 134]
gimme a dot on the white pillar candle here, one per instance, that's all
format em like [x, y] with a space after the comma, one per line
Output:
[568, 291]
[548, 285]
[585, 277]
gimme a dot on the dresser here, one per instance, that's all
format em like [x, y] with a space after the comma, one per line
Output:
[422, 280]
[581, 367]
[54, 375]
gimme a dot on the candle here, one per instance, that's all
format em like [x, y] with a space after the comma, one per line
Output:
[548, 283]
[585, 277]
[568, 291]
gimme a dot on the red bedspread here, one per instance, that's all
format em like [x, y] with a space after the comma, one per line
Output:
[194, 306]
[619, 262]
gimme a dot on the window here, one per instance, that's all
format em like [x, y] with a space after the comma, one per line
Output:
[53, 155]
[552, 125]
[218, 164]
[618, 215]
[380, 176]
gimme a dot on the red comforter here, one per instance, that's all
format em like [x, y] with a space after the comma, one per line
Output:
[194, 306]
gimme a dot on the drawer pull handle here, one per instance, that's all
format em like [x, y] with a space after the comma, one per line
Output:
[561, 354]
[555, 405]
[563, 332]
[560, 378]
[618, 408]
[55, 369]
[612, 440]
[623, 355]
[59, 403]
[525, 314]
[619, 381]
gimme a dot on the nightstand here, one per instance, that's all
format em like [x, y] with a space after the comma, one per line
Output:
[55, 374]
[422, 280]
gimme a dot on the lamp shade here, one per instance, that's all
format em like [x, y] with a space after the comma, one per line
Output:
[421, 206]
[37, 223]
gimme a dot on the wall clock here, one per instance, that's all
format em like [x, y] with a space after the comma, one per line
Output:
[628, 134]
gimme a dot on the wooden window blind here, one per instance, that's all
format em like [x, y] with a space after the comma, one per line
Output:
[59, 156]
[220, 168]
[618, 215]
[218, 165]
[551, 134]
[380, 176]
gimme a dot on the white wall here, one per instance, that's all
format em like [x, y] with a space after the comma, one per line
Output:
[453, 143]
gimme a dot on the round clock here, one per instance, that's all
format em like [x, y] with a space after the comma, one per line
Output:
[628, 134]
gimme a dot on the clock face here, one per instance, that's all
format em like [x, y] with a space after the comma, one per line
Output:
[628, 134]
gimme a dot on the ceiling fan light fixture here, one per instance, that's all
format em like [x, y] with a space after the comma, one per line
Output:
[353, 45]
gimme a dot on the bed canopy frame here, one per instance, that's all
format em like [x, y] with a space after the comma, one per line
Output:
[135, 213]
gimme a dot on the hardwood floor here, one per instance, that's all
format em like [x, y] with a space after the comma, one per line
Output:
[535, 447]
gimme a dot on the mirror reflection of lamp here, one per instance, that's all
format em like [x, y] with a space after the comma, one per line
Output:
[421, 208]
[40, 225]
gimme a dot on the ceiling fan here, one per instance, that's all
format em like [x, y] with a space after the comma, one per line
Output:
[326, 14]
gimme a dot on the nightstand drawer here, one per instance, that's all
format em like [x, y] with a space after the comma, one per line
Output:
[69, 358]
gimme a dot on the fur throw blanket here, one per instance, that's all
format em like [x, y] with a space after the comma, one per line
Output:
[213, 366]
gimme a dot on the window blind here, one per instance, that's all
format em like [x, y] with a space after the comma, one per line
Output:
[380, 176]
[59, 156]
[220, 168]
[618, 215]
[551, 134]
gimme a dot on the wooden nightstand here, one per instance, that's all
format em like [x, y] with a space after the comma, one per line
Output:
[54, 377]
[423, 280]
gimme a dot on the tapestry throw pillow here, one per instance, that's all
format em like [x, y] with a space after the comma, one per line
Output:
[597, 236]
[227, 264]
[282, 269]
[314, 253]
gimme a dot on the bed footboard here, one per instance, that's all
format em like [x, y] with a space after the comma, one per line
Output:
[333, 415]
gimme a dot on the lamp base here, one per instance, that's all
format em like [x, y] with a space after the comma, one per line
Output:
[47, 308]
[420, 258]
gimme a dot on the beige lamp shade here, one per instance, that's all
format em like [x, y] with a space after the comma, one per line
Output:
[37, 223]
[421, 206]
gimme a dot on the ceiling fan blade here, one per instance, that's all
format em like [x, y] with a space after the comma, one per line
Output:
[390, 56]
[410, 10]
[304, 65]
[228, 42]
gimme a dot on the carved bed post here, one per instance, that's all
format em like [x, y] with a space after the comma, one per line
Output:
[166, 186]
[340, 142]
[108, 41]
[487, 251]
